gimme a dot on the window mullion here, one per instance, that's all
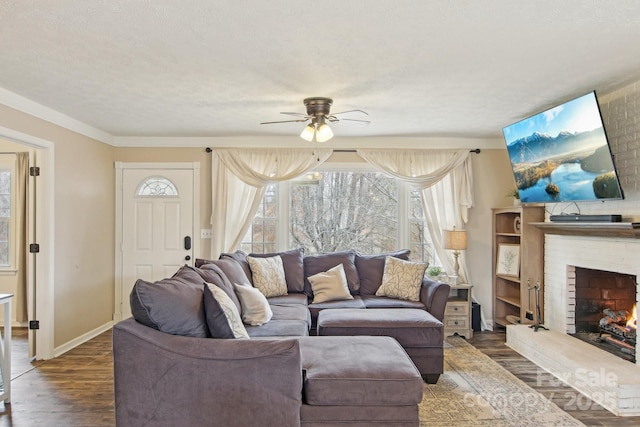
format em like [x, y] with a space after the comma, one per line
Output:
[404, 240]
[284, 201]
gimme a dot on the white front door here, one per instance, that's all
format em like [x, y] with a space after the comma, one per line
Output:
[157, 226]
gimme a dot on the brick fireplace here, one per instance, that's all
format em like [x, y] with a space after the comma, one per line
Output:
[607, 379]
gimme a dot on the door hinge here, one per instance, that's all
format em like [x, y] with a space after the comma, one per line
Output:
[34, 248]
[34, 324]
[34, 171]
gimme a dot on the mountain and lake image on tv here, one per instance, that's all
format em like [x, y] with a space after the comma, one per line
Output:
[563, 155]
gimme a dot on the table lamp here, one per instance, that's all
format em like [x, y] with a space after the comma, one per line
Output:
[455, 240]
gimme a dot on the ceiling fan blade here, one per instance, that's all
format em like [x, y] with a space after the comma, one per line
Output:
[351, 111]
[364, 122]
[295, 114]
[284, 121]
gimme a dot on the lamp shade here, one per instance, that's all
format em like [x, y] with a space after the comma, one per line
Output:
[454, 239]
[324, 133]
[308, 132]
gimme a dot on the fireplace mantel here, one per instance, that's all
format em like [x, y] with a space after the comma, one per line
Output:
[601, 229]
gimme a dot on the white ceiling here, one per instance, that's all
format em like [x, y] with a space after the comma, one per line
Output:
[203, 68]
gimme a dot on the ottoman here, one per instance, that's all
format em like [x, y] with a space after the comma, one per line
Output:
[418, 332]
[358, 381]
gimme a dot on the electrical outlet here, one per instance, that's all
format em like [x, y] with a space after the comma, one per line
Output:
[206, 234]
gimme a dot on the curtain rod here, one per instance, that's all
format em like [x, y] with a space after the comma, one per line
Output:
[475, 150]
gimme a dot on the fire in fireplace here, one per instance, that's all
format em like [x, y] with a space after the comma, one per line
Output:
[618, 328]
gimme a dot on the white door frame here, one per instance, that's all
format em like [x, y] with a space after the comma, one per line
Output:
[120, 166]
[44, 224]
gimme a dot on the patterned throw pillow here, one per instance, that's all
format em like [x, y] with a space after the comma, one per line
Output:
[402, 279]
[268, 275]
[255, 307]
[223, 317]
[330, 285]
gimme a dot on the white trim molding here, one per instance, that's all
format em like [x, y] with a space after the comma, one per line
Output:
[45, 220]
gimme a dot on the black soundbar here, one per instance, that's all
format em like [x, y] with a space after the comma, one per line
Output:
[585, 218]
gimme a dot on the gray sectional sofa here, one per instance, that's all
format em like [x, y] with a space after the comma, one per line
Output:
[169, 371]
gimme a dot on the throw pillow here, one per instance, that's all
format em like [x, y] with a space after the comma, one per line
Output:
[170, 305]
[402, 279]
[292, 262]
[268, 275]
[255, 307]
[314, 264]
[330, 285]
[223, 317]
[371, 268]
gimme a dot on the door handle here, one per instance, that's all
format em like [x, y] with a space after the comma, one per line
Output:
[187, 242]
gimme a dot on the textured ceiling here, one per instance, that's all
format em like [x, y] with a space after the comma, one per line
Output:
[218, 68]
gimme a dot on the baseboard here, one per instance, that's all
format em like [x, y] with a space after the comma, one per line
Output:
[58, 351]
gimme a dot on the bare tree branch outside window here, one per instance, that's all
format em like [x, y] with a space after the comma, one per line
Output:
[345, 210]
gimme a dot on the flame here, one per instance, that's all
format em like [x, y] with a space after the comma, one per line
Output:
[631, 323]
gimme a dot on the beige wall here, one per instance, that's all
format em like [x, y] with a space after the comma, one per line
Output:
[84, 225]
[492, 179]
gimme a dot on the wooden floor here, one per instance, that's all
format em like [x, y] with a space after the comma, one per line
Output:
[76, 389]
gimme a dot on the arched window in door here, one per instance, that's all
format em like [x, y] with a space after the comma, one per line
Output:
[157, 186]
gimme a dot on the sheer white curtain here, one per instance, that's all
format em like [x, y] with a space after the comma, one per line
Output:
[238, 180]
[445, 178]
[22, 254]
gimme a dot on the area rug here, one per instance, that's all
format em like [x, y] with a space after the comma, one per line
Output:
[476, 391]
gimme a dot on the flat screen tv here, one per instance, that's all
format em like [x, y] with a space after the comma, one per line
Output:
[563, 155]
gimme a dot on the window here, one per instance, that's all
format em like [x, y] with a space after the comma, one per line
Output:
[344, 210]
[7, 227]
[157, 187]
[261, 236]
[332, 210]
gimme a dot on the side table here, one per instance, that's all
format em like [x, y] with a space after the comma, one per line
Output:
[457, 314]
[5, 350]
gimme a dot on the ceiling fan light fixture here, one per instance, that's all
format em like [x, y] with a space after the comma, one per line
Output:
[308, 132]
[324, 133]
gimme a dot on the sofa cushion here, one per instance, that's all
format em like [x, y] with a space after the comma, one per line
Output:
[223, 317]
[173, 305]
[240, 257]
[211, 273]
[231, 268]
[292, 262]
[330, 285]
[280, 328]
[289, 299]
[314, 264]
[291, 312]
[402, 279]
[255, 307]
[358, 370]
[314, 309]
[372, 301]
[268, 275]
[371, 268]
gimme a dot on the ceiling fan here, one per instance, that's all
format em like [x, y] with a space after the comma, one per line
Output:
[318, 112]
